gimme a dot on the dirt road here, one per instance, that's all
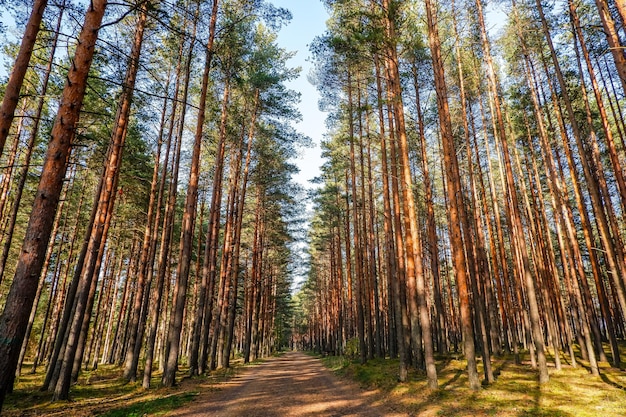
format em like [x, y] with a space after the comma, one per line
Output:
[292, 385]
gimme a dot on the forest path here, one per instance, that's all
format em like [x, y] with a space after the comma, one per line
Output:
[291, 385]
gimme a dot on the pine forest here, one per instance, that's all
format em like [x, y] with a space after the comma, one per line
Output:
[460, 250]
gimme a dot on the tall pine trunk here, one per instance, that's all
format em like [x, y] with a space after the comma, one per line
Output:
[456, 209]
[19, 302]
[16, 79]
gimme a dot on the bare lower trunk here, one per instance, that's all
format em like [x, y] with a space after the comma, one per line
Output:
[456, 207]
[21, 295]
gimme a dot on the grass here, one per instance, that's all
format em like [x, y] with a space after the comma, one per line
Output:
[155, 407]
[572, 392]
[105, 393]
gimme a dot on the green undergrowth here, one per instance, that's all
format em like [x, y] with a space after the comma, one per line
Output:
[571, 392]
[104, 392]
[155, 407]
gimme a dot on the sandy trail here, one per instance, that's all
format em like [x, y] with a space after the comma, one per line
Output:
[291, 385]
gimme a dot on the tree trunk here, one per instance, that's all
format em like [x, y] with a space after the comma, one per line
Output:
[209, 265]
[414, 267]
[239, 208]
[8, 238]
[358, 251]
[475, 253]
[16, 79]
[608, 133]
[592, 177]
[390, 252]
[612, 37]
[556, 189]
[456, 208]
[168, 220]
[21, 295]
[188, 222]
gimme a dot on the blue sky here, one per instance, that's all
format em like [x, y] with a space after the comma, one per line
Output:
[309, 18]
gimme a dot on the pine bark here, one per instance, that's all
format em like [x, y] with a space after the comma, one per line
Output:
[358, 252]
[390, 252]
[21, 295]
[456, 209]
[195, 344]
[16, 79]
[172, 152]
[209, 265]
[188, 221]
[8, 238]
[414, 266]
[612, 37]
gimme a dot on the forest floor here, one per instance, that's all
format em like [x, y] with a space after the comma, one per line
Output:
[104, 392]
[296, 384]
[293, 384]
[571, 392]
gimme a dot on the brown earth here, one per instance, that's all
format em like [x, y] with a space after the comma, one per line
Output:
[291, 385]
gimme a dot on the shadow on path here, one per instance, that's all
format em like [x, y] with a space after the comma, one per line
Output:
[291, 385]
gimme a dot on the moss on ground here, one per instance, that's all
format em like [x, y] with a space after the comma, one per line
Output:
[104, 392]
[572, 392]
